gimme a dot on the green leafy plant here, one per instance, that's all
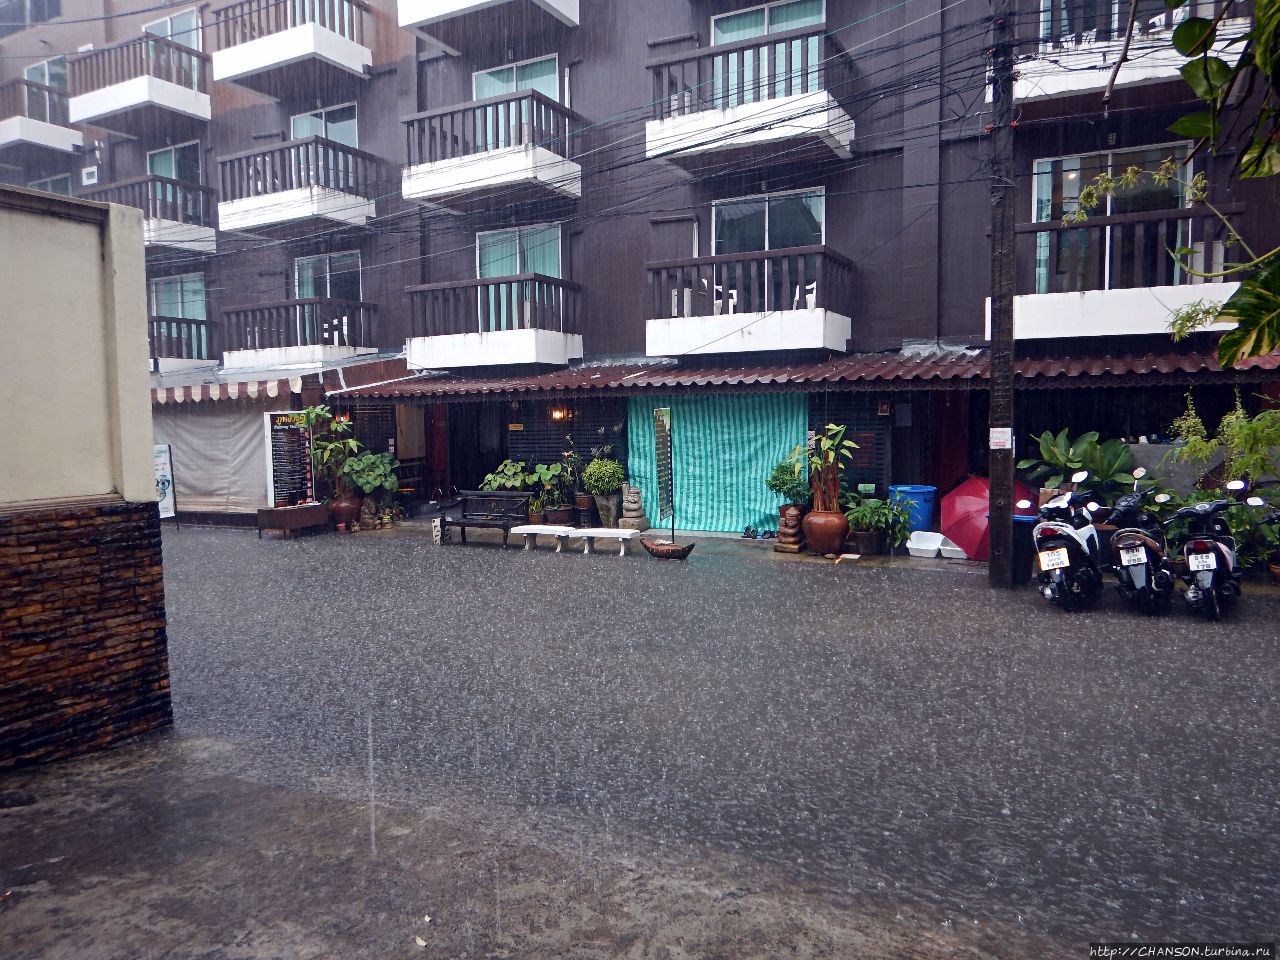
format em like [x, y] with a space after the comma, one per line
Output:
[603, 477]
[548, 477]
[825, 458]
[373, 473]
[790, 486]
[889, 517]
[535, 505]
[1110, 466]
[1059, 457]
[572, 468]
[1248, 443]
[331, 447]
[508, 475]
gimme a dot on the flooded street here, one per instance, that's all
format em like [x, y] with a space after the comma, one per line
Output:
[943, 768]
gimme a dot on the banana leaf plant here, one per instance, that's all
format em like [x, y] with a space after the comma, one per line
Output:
[825, 458]
[1059, 457]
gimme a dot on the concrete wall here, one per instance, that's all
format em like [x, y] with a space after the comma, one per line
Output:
[73, 371]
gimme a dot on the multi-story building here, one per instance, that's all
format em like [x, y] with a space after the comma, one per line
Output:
[565, 212]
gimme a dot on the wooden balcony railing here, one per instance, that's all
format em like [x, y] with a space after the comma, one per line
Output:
[1119, 252]
[37, 101]
[1076, 23]
[250, 19]
[308, 322]
[312, 162]
[173, 338]
[161, 198]
[796, 278]
[145, 57]
[528, 301]
[748, 71]
[527, 118]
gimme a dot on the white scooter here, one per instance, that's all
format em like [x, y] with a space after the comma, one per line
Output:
[1069, 550]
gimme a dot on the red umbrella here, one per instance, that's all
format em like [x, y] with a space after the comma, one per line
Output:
[964, 515]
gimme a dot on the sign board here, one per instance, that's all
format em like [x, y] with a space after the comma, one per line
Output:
[515, 427]
[289, 480]
[162, 457]
[1002, 438]
[662, 460]
[866, 489]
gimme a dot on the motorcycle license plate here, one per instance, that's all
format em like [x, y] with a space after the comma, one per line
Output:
[1132, 556]
[1202, 561]
[1054, 559]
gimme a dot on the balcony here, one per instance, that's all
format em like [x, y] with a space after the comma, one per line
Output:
[524, 319]
[33, 122]
[309, 179]
[1080, 40]
[177, 343]
[516, 146]
[297, 332]
[178, 216]
[751, 99]
[449, 26]
[800, 298]
[275, 48]
[1114, 276]
[140, 85]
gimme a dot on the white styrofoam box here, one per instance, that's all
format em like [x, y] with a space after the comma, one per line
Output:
[923, 543]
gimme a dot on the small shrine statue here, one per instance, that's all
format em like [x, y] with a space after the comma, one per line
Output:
[633, 515]
[790, 534]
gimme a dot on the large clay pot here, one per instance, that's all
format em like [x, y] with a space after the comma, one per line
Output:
[608, 508]
[560, 516]
[345, 510]
[535, 516]
[869, 543]
[825, 530]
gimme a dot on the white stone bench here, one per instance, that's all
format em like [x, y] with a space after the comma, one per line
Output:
[591, 534]
[530, 533]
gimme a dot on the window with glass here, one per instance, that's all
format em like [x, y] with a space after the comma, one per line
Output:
[18, 15]
[768, 222]
[47, 105]
[337, 123]
[1117, 256]
[59, 184]
[541, 75]
[175, 65]
[506, 253]
[180, 297]
[333, 276]
[181, 163]
[183, 28]
[734, 84]
[1087, 23]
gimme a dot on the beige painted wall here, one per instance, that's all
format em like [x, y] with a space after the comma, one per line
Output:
[75, 411]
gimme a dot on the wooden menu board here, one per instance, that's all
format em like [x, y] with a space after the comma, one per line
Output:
[289, 480]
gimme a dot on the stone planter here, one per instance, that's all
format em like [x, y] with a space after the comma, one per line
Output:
[825, 530]
[608, 507]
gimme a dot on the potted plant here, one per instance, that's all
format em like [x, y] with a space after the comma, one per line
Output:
[603, 479]
[548, 478]
[331, 447]
[535, 510]
[794, 489]
[875, 524]
[582, 501]
[825, 526]
[374, 474]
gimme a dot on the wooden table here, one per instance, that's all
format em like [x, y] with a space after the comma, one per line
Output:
[289, 520]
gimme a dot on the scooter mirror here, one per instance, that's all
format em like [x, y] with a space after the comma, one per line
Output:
[1080, 476]
[1162, 498]
[1235, 485]
[1023, 504]
[1256, 502]
[1139, 473]
[1091, 506]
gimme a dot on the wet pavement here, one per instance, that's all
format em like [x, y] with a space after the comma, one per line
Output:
[884, 761]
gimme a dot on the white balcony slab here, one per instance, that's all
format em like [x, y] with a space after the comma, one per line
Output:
[803, 116]
[145, 91]
[1108, 313]
[178, 236]
[807, 329]
[308, 41]
[278, 357]
[416, 14]
[23, 131]
[1080, 69]
[299, 204]
[497, 348]
[493, 169]
[173, 364]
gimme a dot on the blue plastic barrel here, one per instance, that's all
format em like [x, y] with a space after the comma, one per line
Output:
[918, 499]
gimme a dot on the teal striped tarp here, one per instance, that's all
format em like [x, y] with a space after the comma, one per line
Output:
[723, 450]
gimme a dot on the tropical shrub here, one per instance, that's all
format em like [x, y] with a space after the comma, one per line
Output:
[603, 477]
[790, 486]
[508, 475]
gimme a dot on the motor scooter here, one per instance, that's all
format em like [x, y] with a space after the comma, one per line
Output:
[1144, 575]
[1068, 550]
[1213, 574]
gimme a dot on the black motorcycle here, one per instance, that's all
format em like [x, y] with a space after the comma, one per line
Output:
[1142, 569]
[1209, 549]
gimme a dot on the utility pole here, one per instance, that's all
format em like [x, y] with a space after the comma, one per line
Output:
[1003, 198]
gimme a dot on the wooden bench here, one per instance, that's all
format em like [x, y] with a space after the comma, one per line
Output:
[289, 520]
[531, 531]
[493, 511]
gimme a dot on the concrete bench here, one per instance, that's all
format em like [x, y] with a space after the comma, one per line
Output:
[530, 533]
[591, 534]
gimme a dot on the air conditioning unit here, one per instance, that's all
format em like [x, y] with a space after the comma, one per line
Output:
[88, 176]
